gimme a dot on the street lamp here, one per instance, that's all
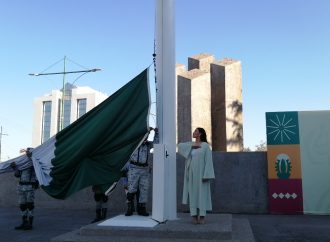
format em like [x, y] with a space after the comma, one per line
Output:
[64, 72]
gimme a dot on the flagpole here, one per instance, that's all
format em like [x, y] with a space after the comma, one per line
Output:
[164, 169]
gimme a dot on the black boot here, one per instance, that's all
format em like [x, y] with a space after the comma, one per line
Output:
[98, 216]
[130, 204]
[104, 213]
[137, 197]
[24, 223]
[29, 224]
[133, 208]
[130, 208]
[141, 209]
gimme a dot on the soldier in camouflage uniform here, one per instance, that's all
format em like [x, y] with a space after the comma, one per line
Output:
[138, 176]
[26, 189]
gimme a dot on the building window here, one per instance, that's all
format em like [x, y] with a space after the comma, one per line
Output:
[59, 118]
[67, 95]
[81, 107]
[46, 121]
[67, 113]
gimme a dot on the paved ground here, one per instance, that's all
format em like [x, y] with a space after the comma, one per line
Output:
[289, 228]
[266, 228]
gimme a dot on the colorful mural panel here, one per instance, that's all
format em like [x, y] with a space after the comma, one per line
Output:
[284, 163]
[298, 154]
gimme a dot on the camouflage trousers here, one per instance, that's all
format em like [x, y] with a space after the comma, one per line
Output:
[25, 194]
[26, 199]
[139, 178]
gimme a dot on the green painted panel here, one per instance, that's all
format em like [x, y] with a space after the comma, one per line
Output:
[282, 128]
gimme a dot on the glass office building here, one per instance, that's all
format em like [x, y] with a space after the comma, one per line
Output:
[52, 115]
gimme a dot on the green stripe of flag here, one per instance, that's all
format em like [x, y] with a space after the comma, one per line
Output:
[92, 150]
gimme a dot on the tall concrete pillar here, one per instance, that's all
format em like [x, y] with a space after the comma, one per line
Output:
[200, 61]
[179, 69]
[226, 96]
[194, 104]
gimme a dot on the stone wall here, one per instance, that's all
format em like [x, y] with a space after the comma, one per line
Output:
[240, 187]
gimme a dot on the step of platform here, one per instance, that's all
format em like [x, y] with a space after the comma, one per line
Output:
[217, 227]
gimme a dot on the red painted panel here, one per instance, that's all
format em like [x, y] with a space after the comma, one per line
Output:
[285, 196]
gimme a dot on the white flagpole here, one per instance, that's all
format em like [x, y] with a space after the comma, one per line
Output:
[164, 205]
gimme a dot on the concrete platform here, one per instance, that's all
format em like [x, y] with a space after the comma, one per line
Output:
[131, 221]
[218, 227]
[50, 223]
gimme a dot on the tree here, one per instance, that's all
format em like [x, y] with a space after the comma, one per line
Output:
[246, 149]
[261, 147]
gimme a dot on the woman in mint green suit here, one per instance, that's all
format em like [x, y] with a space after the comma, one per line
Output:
[197, 175]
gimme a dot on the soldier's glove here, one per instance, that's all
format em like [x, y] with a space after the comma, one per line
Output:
[17, 173]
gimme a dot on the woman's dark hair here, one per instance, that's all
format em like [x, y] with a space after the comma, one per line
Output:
[203, 134]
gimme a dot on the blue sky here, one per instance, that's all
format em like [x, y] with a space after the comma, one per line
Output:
[283, 46]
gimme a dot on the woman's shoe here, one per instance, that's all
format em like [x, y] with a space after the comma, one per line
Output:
[194, 220]
[201, 220]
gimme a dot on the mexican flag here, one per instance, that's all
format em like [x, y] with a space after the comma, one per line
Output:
[94, 149]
